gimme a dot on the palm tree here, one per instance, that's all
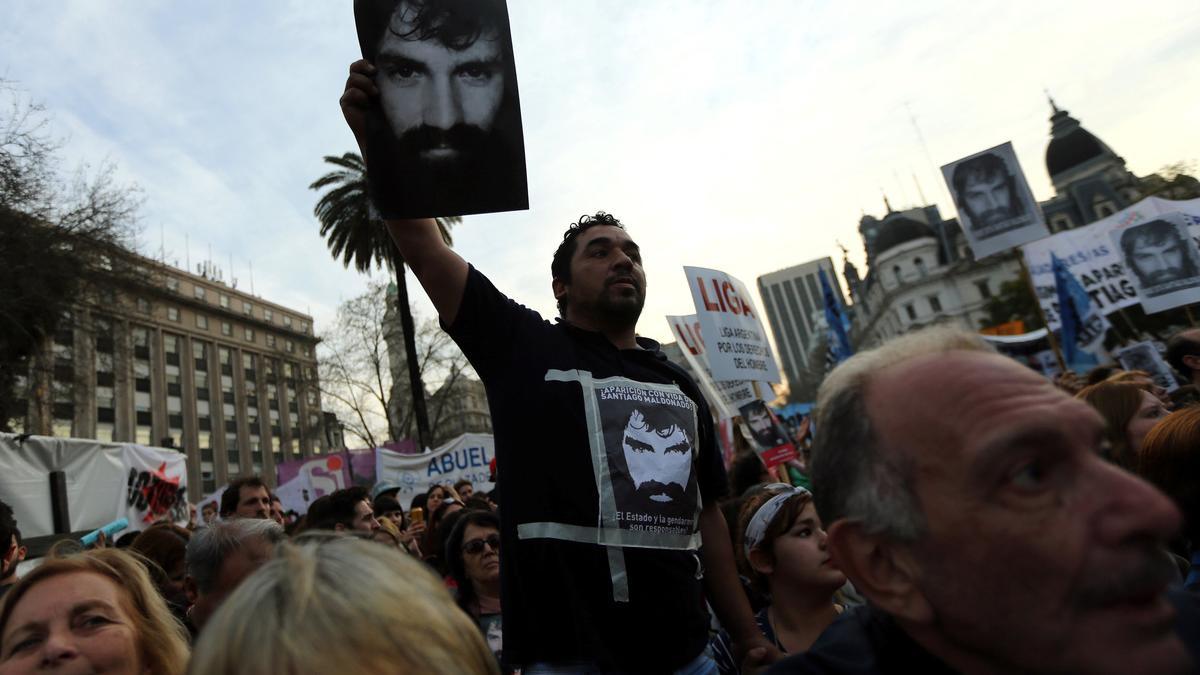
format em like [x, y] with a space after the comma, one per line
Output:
[362, 241]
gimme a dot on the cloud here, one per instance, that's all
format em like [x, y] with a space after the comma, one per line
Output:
[741, 136]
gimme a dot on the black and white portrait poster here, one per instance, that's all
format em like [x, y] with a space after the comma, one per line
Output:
[1163, 261]
[444, 136]
[996, 208]
[1144, 356]
[650, 443]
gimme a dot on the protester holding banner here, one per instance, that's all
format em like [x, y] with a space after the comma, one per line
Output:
[563, 399]
[782, 552]
[94, 611]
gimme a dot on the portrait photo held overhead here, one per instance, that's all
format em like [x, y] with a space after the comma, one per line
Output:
[996, 208]
[443, 133]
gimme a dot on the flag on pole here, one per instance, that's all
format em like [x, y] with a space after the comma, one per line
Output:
[1081, 325]
[839, 340]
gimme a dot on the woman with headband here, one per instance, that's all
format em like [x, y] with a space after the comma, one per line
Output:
[782, 551]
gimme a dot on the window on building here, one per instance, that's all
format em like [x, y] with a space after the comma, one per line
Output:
[920, 265]
[247, 308]
[224, 301]
[226, 329]
[910, 311]
[289, 346]
[202, 322]
[173, 314]
[198, 291]
[935, 303]
[270, 340]
[1060, 222]
[268, 315]
[303, 326]
[249, 335]
[287, 320]
[985, 291]
[143, 305]
[172, 284]
[896, 272]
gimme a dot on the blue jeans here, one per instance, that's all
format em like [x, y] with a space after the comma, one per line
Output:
[701, 665]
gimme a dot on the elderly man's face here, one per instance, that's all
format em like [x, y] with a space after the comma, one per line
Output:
[988, 198]
[438, 101]
[1038, 555]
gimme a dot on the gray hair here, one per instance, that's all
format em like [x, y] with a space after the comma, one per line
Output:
[299, 614]
[211, 545]
[852, 477]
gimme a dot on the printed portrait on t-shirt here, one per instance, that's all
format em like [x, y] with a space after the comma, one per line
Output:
[650, 444]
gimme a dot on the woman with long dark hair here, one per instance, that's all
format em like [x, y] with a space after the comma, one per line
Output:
[473, 561]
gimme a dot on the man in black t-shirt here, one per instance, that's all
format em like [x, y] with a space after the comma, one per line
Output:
[611, 470]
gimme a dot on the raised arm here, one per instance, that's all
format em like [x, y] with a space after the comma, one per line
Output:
[441, 271]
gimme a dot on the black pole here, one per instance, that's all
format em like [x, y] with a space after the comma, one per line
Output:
[58, 502]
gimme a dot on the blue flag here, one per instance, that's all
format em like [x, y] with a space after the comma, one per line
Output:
[839, 339]
[1074, 310]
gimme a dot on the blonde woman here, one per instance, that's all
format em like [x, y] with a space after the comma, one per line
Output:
[95, 611]
[319, 608]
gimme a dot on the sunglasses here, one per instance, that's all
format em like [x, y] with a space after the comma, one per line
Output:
[475, 546]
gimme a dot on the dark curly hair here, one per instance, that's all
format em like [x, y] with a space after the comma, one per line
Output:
[560, 266]
[456, 24]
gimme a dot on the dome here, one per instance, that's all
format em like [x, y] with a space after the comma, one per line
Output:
[901, 230]
[1071, 144]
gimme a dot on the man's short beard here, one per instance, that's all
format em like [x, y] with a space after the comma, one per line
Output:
[651, 488]
[620, 312]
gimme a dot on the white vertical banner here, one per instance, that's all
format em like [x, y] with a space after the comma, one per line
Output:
[725, 396]
[737, 343]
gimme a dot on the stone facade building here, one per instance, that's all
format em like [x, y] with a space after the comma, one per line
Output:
[186, 361]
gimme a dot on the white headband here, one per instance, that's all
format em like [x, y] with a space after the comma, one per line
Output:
[756, 529]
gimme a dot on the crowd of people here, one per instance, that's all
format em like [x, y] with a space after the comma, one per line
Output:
[966, 515]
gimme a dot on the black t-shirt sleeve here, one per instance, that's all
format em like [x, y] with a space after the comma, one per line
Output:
[488, 322]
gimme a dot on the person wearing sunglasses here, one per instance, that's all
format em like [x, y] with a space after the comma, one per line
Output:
[473, 560]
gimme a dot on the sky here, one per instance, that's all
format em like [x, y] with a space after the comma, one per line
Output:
[744, 136]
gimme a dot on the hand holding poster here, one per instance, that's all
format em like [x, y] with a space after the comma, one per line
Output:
[737, 344]
[996, 208]
[724, 396]
[771, 440]
[1164, 260]
[443, 137]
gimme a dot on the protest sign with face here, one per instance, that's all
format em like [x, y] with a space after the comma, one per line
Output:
[771, 440]
[996, 208]
[444, 137]
[1163, 259]
[1091, 255]
[737, 346]
[1144, 356]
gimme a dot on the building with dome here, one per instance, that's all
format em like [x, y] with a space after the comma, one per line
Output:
[920, 269]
